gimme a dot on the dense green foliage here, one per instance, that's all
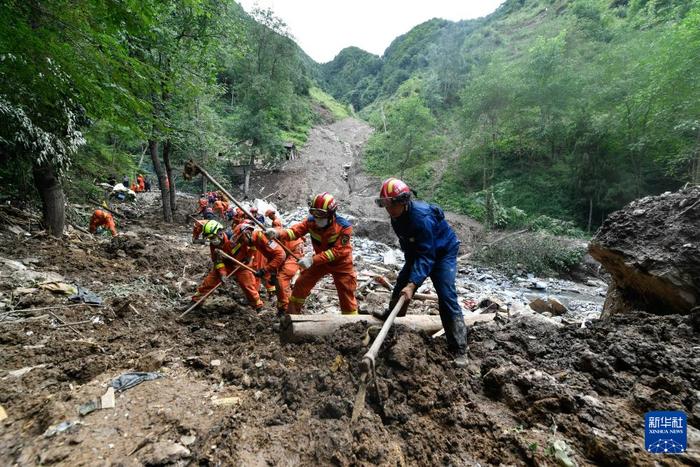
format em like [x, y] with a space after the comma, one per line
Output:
[560, 108]
[540, 254]
[95, 88]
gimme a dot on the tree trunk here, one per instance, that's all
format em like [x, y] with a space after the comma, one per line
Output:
[52, 198]
[167, 150]
[164, 195]
[300, 328]
[590, 213]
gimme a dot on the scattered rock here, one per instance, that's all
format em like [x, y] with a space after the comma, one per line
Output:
[186, 440]
[226, 401]
[164, 452]
[548, 305]
[152, 361]
[491, 305]
[54, 455]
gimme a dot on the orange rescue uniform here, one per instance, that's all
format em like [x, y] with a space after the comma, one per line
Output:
[288, 271]
[220, 208]
[333, 255]
[198, 228]
[243, 253]
[102, 218]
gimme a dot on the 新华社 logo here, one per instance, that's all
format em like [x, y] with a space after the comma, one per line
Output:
[665, 432]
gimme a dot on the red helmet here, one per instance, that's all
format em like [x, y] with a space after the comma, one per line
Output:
[242, 228]
[393, 191]
[253, 209]
[323, 205]
[270, 212]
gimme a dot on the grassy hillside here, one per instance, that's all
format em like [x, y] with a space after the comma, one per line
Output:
[562, 109]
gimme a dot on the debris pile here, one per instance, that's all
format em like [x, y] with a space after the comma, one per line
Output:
[651, 248]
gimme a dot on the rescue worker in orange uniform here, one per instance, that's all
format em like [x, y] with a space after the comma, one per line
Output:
[254, 211]
[104, 219]
[288, 271]
[240, 245]
[220, 208]
[202, 204]
[141, 183]
[272, 215]
[330, 236]
[197, 230]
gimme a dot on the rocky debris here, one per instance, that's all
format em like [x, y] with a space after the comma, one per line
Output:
[548, 305]
[651, 248]
[164, 452]
[152, 361]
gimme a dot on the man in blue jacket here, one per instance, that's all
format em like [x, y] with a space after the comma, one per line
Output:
[430, 249]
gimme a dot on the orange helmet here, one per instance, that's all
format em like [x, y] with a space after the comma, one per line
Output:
[323, 205]
[393, 191]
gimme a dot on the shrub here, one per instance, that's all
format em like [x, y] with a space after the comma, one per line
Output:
[538, 253]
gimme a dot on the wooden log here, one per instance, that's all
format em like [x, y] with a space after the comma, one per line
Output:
[299, 328]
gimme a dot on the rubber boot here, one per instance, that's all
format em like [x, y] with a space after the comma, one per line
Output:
[456, 334]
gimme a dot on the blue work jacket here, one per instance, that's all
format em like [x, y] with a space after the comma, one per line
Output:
[425, 237]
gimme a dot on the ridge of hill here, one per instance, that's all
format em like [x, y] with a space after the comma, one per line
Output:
[547, 113]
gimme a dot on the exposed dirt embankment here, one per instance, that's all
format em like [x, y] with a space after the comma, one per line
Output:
[331, 160]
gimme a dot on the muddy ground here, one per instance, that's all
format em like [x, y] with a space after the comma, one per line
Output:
[232, 394]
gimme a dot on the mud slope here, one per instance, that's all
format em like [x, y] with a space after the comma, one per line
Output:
[331, 160]
[231, 394]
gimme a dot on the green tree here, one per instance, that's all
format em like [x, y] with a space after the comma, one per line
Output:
[57, 58]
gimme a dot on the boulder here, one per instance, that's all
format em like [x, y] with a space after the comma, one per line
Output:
[548, 305]
[651, 248]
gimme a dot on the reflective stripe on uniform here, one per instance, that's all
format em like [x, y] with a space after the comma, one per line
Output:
[290, 234]
[329, 254]
[298, 300]
[235, 249]
[333, 238]
[314, 235]
[219, 265]
[347, 313]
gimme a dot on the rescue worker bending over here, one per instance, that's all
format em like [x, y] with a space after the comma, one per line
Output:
[330, 236]
[272, 215]
[220, 208]
[241, 244]
[254, 211]
[102, 219]
[197, 230]
[430, 248]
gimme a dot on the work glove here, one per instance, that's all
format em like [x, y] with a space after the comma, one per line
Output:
[260, 273]
[306, 261]
[272, 233]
